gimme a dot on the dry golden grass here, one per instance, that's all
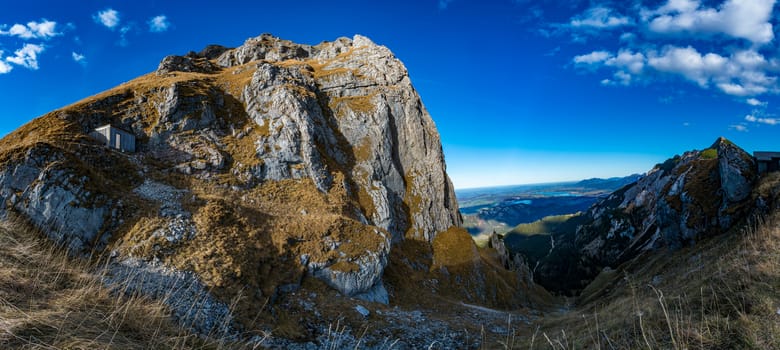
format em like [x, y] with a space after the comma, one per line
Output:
[454, 247]
[51, 301]
[356, 104]
[723, 293]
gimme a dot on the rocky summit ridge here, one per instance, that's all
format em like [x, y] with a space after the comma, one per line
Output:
[255, 167]
[700, 194]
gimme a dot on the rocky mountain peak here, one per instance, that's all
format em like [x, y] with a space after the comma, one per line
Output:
[254, 167]
[699, 194]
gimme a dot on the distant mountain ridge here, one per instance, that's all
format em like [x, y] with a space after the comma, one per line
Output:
[499, 209]
[689, 197]
[612, 183]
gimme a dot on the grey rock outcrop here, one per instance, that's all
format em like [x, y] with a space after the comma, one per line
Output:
[191, 303]
[185, 64]
[264, 47]
[360, 110]
[274, 102]
[737, 171]
[515, 262]
[687, 198]
[365, 282]
[44, 189]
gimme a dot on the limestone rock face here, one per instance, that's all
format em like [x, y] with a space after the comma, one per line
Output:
[352, 104]
[698, 194]
[515, 262]
[189, 299]
[737, 171]
[275, 101]
[264, 47]
[45, 190]
[189, 63]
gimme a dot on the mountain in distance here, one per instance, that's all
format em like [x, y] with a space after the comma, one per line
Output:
[499, 209]
[283, 195]
[609, 184]
[688, 197]
[691, 246]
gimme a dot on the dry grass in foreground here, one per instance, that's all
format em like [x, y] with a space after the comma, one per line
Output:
[723, 293]
[51, 301]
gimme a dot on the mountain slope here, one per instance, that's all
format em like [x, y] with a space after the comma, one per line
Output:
[718, 294]
[256, 168]
[699, 194]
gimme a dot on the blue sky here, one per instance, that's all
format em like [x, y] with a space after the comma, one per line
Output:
[521, 91]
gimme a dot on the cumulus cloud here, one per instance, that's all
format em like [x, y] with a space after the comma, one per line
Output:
[724, 45]
[742, 73]
[108, 17]
[44, 29]
[627, 65]
[742, 19]
[627, 61]
[688, 62]
[158, 24]
[599, 18]
[4, 67]
[78, 58]
[593, 57]
[27, 56]
[769, 121]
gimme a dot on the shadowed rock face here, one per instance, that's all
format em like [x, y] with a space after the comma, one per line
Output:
[221, 127]
[689, 197]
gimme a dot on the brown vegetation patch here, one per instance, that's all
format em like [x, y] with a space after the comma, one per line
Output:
[249, 243]
[718, 294]
[702, 185]
[454, 247]
[52, 301]
[356, 104]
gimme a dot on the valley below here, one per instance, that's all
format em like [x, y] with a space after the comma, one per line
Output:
[500, 209]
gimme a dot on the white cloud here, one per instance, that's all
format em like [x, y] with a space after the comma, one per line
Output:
[78, 58]
[755, 102]
[593, 57]
[108, 17]
[729, 45]
[769, 121]
[743, 73]
[158, 24]
[44, 29]
[4, 67]
[599, 18]
[627, 60]
[688, 62]
[739, 127]
[742, 19]
[27, 56]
